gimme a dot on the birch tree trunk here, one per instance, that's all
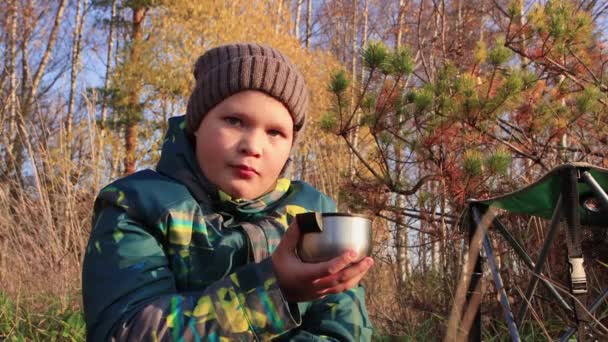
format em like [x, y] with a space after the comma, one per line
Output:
[68, 123]
[363, 43]
[364, 35]
[401, 229]
[24, 95]
[402, 242]
[104, 102]
[438, 245]
[522, 22]
[354, 134]
[76, 48]
[459, 29]
[298, 15]
[47, 53]
[308, 23]
[564, 141]
[354, 46]
[11, 108]
[8, 114]
[277, 26]
[443, 25]
[400, 16]
[435, 38]
[29, 87]
[131, 128]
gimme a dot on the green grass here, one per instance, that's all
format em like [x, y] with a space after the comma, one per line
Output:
[48, 320]
[428, 330]
[492, 331]
[497, 331]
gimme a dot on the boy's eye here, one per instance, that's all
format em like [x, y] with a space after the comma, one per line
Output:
[275, 133]
[232, 121]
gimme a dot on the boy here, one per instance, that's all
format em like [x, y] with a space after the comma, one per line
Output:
[199, 249]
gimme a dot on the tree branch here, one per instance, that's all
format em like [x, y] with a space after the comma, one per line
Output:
[49, 47]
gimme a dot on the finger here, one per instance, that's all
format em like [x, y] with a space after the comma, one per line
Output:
[339, 263]
[341, 287]
[344, 275]
[322, 269]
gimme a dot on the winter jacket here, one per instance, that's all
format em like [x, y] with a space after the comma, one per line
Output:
[172, 258]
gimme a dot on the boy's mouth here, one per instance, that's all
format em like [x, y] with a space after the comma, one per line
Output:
[245, 171]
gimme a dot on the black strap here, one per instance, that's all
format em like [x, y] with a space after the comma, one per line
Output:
[577, 276]
[257, 240]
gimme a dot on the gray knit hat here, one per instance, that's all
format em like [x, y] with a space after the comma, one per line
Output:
[225, 70]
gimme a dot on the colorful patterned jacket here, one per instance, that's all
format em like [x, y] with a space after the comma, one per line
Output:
[171, 259]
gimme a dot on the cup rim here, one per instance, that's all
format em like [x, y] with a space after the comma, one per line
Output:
[346, 215]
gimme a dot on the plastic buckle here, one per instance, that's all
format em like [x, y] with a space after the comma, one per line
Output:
[578, 278]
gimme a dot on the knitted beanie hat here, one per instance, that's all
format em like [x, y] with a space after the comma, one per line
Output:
[225, 70]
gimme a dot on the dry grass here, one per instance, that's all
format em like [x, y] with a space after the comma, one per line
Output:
[39, 254]
[45, 216]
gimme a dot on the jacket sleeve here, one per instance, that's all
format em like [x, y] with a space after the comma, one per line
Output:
[129, 292]
[338, 317]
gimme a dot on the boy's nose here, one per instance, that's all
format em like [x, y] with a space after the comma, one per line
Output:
[250, 144]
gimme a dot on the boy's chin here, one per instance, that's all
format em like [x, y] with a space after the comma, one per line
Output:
[245, 191]
[240, 192]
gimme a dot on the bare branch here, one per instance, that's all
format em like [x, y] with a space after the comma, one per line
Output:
[49, 47]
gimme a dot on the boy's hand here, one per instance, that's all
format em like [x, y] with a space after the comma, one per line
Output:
[301, 281]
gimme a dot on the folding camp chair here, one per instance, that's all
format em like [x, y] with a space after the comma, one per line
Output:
[571, 195]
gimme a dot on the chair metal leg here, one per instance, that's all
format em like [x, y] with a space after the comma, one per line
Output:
[555, 221]
[521, 252]
[504, 301]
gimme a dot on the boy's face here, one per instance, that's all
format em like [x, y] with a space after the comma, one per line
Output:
[243, 143]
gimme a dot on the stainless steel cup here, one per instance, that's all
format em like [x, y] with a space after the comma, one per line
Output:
[328, 235]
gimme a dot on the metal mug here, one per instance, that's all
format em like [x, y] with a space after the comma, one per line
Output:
[328, 235]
